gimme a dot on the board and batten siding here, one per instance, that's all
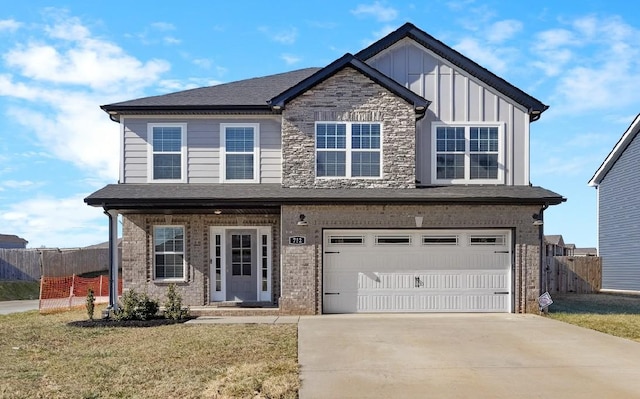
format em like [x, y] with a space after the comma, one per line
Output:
[203, 148]
[456, 97]
[619, 222]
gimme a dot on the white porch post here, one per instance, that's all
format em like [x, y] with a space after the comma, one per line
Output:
[113, 259]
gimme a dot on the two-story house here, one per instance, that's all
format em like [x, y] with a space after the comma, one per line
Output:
[392, 180]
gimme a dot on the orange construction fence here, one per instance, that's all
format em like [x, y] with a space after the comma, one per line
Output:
[64, 293]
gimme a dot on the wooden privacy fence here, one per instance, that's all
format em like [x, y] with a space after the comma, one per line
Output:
[30, 264]
[577, 274]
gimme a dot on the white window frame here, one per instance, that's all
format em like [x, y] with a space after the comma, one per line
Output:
[183, 152]
[348, 149]
[184, 254]
[256, 152]
[467, 154]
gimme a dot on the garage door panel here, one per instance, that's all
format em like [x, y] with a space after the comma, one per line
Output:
[471, 276]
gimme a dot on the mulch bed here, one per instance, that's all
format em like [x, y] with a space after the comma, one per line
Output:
[97, 323]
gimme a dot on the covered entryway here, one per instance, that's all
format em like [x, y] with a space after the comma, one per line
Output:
[417, 271]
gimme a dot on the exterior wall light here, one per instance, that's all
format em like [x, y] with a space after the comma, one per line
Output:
[302, 221]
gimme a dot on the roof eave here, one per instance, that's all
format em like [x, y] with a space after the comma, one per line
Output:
[616, 152]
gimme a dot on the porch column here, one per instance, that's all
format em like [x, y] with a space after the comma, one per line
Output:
[113, 258]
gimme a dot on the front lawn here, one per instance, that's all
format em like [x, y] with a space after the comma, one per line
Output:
[617, 315]
[51, 357]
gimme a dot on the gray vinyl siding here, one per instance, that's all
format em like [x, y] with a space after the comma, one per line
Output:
[203, 148]
[456, 97]
[619, 222]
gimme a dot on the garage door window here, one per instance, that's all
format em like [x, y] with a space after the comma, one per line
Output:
[487, 240]
[393, 240]
[439, 240]
[346, 240]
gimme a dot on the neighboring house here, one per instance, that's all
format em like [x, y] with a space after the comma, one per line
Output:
[10, 241]
[554, 245]
[393, 180]
[585, 252]
[617, 182]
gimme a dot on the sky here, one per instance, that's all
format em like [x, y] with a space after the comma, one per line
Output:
[60, 60]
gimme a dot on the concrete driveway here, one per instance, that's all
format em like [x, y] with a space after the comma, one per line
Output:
[462, 356]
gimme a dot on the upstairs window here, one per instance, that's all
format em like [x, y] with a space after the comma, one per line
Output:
[240, 152]
[468, 154]
[349, 150]
[167, 147]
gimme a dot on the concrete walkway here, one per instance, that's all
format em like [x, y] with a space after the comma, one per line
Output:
[245, 320]
[462, 356]
[7, 307]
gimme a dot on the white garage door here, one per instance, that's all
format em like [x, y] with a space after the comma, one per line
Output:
[417, 271]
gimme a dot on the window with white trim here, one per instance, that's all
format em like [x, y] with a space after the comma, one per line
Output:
[348, 149]
[167, 151]
[168, 253]
[240, 152]
[468, 154]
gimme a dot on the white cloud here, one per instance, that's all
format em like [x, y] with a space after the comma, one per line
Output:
[61, 80]
[284, 36]
[171, 85]
[10, 25]
[596, 60]
[20, 184]
[55, 222]
[503, 30]
[171, 40]
[492, 58]
[376, 10]
[163, 26]
[290, 59]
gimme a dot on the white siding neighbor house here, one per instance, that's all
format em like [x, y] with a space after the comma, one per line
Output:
[392, 180]
[617, 182]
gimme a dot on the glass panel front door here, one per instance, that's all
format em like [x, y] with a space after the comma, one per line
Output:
[241, 265]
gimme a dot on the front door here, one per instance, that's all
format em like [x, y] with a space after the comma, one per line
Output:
[241, 265]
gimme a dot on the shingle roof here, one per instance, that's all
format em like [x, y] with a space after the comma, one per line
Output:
[442, 50]
[616, 152]
[348, 60]
[554, 239]
[243, 94]
[12, 239]
[149, 195]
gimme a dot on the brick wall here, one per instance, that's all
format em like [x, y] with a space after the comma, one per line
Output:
[137, 245]
[302, 265]
[348, 96]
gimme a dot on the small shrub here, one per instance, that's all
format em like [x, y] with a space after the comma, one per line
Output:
[136, 306]
[91, 303]
[173, 306]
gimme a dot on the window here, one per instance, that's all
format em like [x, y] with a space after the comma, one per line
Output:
[439, 240]
[393, 240]
[167, 146]
[467, 154]
[240, 152]
[487, 240]
[168, 245]
[346, 149]
[346, 240]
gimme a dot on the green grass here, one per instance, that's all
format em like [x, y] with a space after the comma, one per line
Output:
[19, 290]
[617, 315]
[49, 357]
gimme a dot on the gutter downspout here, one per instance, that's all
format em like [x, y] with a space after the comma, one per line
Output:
[113, 259]
[543, 272]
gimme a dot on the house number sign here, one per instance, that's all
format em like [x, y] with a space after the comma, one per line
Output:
[297, 240]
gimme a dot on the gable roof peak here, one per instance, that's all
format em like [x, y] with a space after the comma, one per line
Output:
[627, 138]
[534, 106]
[419, 103]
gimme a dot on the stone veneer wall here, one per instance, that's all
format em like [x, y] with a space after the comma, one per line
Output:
[348, 96]
[302, 265]
[137, 252]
